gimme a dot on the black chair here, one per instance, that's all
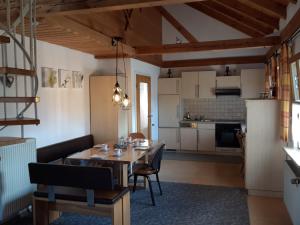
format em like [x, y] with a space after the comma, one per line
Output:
[90, 189]
[146, 170]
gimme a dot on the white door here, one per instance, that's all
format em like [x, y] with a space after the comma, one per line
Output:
[169, 110]
[189, 85]
[207, 84]
[229, 82]
[252, 83]
[206, 140]
[170, 136]
[169, 86]
[188, 139]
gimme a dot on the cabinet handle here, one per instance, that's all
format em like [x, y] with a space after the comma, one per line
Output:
[177, 86]
[198, 90]
[195, 90]
[295, 181]
[177, 112]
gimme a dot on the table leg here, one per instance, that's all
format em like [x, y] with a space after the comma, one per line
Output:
[124, 175]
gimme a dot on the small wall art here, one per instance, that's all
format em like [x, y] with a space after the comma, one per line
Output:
[78, 79]
[65, 78]
[49, 77]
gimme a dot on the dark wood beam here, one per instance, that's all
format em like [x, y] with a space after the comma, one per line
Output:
[269, 7]
[221, 16]
[251, 12]
[291, 27]
[214, 61]
[178, 26]
[286, 2]
[294, 58]
[209, 46]
[242, 18]
[53, 7]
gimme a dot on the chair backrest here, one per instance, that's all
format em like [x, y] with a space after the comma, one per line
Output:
[71, 176]
[157, 157]
[137, 135]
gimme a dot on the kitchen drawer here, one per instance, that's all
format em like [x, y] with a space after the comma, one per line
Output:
[206, 126]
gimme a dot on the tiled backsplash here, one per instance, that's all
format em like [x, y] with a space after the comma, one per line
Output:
[222, 107]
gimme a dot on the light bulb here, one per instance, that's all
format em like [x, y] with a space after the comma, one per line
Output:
[125, 101]
[116, 96]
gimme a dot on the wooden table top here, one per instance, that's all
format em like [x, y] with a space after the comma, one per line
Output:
[129, 155]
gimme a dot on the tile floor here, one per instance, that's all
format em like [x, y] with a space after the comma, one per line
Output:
[262, 210]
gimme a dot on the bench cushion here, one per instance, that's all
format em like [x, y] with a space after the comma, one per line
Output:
[79, 195]
[63, 149]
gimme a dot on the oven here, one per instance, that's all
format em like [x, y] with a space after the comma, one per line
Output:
[226, 139]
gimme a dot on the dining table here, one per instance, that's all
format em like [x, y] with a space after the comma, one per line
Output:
[131, 153]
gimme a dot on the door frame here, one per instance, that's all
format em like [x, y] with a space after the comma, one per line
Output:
[143, 79]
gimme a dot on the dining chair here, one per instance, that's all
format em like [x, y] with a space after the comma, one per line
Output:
[241, 138]
[137, 135]
[146, 170]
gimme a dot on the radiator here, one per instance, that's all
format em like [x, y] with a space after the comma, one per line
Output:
[15, 187]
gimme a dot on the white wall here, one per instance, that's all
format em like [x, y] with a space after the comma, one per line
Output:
[141, 68]
[64, 113]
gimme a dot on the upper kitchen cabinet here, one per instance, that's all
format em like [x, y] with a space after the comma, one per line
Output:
[252, 82]
[169, 86]
[228, 82]
[189, 85]
[198, 84]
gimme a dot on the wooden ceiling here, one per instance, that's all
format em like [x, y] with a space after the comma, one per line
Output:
[89, 25]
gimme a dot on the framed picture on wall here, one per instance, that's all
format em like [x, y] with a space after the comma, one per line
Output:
[49, 77]
[78, 79]
[64, 78]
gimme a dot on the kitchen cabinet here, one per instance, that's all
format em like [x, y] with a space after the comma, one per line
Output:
[291, 194]
[198, 84]
[189, 84]
[228, 82]
[264, 157]
[206, 137]
[252, 83]
[188, 139]
[169, 86]
[170, 136]
[169, 110]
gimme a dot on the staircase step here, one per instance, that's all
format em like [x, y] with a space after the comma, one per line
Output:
[17, 71]
[4, 39]
[16, 121]
[18, 99]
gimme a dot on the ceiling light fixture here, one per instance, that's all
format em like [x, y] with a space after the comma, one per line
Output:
[117, 89]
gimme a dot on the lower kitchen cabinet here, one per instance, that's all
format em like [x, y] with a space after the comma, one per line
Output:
[206, 140]
[292, 191]
[188, 139]
[170, 136]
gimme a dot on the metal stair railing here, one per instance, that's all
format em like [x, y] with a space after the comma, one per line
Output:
[16, 32]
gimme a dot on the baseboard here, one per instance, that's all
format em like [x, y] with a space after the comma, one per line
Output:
[263, 193]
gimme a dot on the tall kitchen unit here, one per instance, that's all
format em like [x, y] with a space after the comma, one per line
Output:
[169, 111]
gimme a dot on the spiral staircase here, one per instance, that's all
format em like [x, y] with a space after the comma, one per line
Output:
[18, 76]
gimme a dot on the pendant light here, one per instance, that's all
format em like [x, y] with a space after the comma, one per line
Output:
[125, 100]
[117, 89]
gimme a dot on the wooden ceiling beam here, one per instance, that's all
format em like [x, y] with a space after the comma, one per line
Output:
[251, 12]
[72, 26]
[96, 6]
[286, 2]
[291, 27]
[214, 61]
[221, 16]
[209, 46]
[178, 26]
[269, 7]
[249, 21]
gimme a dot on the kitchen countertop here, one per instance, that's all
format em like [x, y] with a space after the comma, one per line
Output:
[293, 153]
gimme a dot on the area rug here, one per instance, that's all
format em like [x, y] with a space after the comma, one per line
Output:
[180, 204]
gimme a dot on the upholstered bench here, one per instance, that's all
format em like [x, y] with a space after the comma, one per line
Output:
[78, 189]
[60, 151]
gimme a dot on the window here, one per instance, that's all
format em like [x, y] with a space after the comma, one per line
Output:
[295, 73]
